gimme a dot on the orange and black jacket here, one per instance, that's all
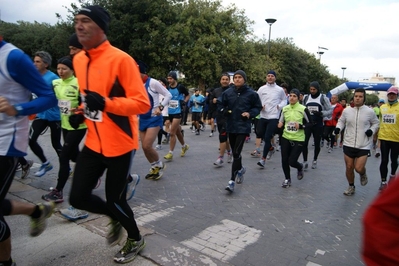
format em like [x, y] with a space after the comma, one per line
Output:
[114, 75]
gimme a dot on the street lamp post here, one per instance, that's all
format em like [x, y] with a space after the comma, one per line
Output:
[320, 53]
[270, 21]
[343, 72]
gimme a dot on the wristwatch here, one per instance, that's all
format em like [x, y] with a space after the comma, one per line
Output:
[160, 106]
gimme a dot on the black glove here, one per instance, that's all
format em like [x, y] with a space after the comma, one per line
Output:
[75, 120]
[336, 131]
[182, 103]
[317, 113]
[244, 118]
[369, 133]
[226, 112]
[94, 101]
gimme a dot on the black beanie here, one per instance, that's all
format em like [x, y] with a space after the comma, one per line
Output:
[296, 92]
[73, 41]
[142, 66]
[173, 75]
[315, 85]
[241, 73]
[66, 60]
[98, 14]
[272, 72]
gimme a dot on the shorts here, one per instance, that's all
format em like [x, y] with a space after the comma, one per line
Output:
[174, 116]
[354, 152]
[196, 116]
[153, 121]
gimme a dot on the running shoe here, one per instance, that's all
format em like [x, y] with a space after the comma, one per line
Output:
[270, 153]
[240, 175]
[202, 127]
[54, 195]
[363, 180]
[314, 165]
[300, 173]
[330, 150]
[219, 161]
[256, 153]
[114, 233]
[184, 149]
[229, 157]
[130, 250]
[131, 186]
[25, 169]
[158, 147]
[377, 153]
[44, 168]
[286, 183]
[349, 191]
[168, 156]
[197, 132]
[37, 225]
[230, 186]
[210, 134]
[73, 214]
[262, 162]
[150, 173]
[383, 185]
[305, 165]
[158, 172]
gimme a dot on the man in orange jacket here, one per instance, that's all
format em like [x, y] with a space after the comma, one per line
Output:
[113, 96]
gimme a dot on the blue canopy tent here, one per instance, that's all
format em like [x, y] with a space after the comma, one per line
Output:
[354, 85]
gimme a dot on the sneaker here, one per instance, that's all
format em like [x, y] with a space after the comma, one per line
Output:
[300, 173]
[256, 153]
[262, 162]
[240, 175]
[230, 186]
[278, 148]
[114, 233]
[349, 191]
[37, 225]
[150, 173]
[202, 127]
[383, 185]
[19, 167]
[44, 169]
[219, 162]
[54, 195]
[168, 156]
[166, 140]
[247, 139]
[229, 157]
[130, 250]
[270, 154]
[305, 165]
[25, 169]
[158, 147]
[377, 153]
[314, 165]
[197, 132]
[328, 144]
[158, 172]
[73, 214]
[210, 134]
[184, 150]
[286, 183]
[131, 186]
[330, 150]
[363, 180]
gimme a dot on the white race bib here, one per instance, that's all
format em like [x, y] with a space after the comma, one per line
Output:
[290, 127]
[312, 109]
[65, 106]
[173, 104]
[389, 118]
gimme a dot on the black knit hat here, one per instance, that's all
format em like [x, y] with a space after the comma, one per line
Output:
[73, 41]
[173, 75]
[66, 60]
[241, 73]
[98, 14]
[296, 92]
[142, 66]
[272, 72]
[315, 85]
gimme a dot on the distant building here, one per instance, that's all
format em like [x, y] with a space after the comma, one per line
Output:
[378, 78]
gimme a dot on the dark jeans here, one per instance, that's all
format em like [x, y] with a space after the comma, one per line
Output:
[388, 148]
[89, 167]
[290, 152]
[70, 151]
[236, 143]
[37, 128]
[316, 132]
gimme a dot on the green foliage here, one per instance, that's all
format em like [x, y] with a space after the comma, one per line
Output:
[200, 38]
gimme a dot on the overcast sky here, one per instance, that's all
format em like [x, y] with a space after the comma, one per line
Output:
[361, 35]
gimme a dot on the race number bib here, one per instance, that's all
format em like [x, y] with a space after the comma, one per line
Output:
[290, 127]
[95, 116]
[313, 109]
[173, 104]
[389, 118]
[65, 106]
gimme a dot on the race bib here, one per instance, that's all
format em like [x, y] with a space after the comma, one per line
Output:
[313, 109]
[173, 104]
[65, 106]
[290, 127]
[95, 116]
[389, 118]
